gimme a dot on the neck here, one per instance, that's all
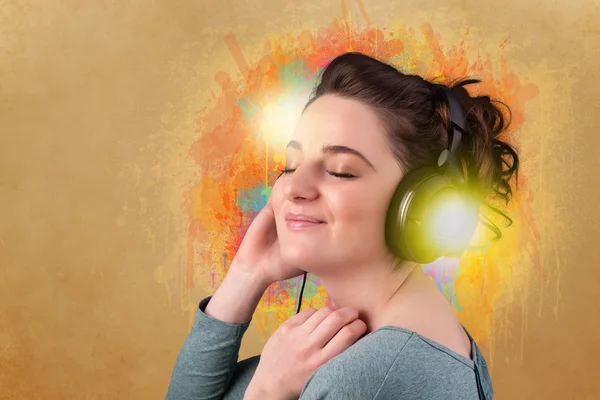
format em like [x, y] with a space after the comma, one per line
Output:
[371, 289]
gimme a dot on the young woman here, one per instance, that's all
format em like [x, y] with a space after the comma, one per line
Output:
[391, 334]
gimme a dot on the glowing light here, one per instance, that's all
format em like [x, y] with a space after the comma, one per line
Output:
[281, 116]
[452, 220]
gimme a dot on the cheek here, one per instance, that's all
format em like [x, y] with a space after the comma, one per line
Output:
[363, 207]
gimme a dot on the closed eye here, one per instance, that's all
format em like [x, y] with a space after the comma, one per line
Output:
[286, 171]
[340, 175]
[336, 174]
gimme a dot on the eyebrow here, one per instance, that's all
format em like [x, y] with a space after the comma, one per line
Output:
[334, 149]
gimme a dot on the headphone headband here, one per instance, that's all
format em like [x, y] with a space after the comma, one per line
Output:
[449, 157]
[457, 118]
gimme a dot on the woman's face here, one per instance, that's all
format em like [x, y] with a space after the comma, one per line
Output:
[330, 209]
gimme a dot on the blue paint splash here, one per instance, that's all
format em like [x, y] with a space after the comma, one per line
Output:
[254, 199]
[444, 272]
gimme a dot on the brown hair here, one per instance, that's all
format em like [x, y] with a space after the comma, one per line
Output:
[416, 117]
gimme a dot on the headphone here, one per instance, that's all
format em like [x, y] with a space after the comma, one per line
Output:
[407, 232]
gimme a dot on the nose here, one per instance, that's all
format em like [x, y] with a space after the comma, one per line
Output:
[300, 185]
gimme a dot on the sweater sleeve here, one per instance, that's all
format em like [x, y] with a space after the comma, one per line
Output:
[206, 367]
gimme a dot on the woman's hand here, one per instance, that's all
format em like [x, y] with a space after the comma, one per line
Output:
[301, 345]
[259, 252]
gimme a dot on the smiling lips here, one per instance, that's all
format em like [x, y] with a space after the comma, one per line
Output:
[299, 221]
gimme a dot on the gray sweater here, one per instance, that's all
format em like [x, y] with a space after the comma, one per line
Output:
[388, 363]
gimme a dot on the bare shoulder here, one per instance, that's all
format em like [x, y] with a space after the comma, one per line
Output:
[423, 309]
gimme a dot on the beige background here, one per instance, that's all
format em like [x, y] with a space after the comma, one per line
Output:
[98, 102]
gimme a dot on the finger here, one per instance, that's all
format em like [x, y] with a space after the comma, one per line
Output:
[274, 191]
[301, 317]
[267, 210]
[331, 325]
[345, 338]
[265, 222]
[317, 319]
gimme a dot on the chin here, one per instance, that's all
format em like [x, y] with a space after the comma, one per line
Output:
[294, 255]
[303, 257]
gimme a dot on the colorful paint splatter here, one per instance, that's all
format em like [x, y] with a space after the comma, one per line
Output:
[238, 158]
